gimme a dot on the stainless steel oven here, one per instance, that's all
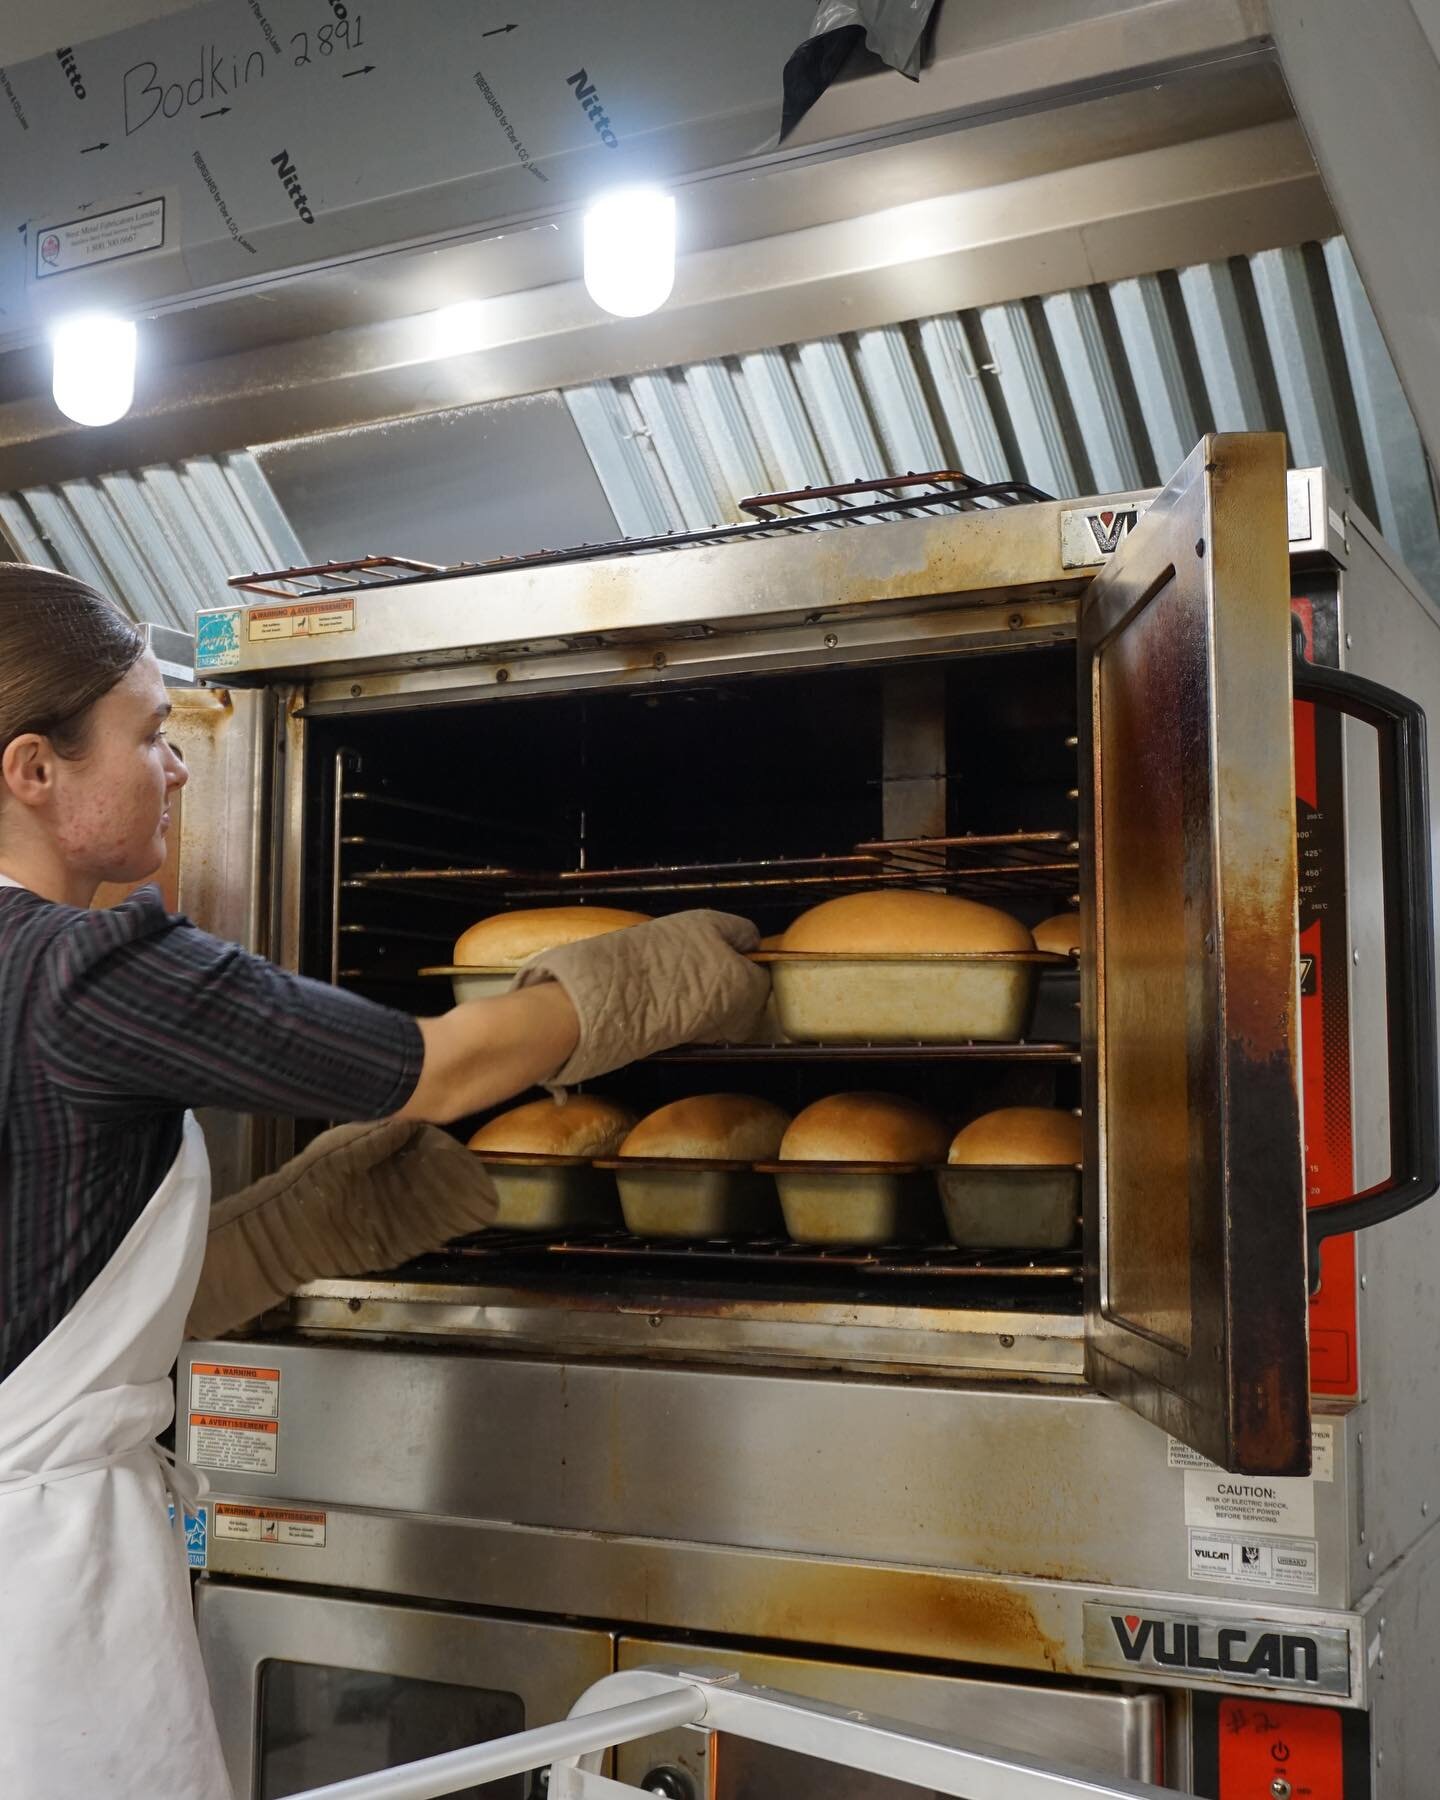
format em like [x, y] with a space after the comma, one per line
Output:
[1183, 1471]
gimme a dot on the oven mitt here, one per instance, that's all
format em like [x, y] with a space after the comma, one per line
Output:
[680, 980]
[359, 1199]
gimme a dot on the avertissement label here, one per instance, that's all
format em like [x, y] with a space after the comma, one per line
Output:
[270, 1525]
[237, 1446]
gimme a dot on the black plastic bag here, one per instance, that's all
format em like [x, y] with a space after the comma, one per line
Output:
[893, 30]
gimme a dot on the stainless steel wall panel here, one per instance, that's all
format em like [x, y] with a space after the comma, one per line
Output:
[1018, 356]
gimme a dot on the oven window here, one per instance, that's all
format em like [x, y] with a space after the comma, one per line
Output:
[320, 1724]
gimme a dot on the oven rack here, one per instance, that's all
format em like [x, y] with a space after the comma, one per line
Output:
[1030, 863]
[911, 1260]
[801, 509]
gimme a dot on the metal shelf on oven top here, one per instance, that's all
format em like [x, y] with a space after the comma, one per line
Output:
[1029, 862]
[967, 1052]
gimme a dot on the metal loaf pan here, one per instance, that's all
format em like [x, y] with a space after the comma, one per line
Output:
[855, 1203]
[1029, 1207]
[939, 998]
[677, 1197]
[550, 1193]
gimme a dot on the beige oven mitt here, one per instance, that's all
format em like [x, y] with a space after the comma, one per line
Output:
[359, 1199]
[680, 980]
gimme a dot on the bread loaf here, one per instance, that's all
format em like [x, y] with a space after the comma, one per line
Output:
[584, 1125]
[1020, 1136]
[505, 940]
[711, 1127]
[875, 1128]
[1060, 935]
[898, 919]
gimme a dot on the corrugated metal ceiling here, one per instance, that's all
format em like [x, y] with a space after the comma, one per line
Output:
[1093, 390]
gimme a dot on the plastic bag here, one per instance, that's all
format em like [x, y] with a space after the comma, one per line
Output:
[893, 30]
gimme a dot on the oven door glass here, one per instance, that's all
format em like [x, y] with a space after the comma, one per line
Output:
[319, 1724]
[1194, 1217]
[309, 1688]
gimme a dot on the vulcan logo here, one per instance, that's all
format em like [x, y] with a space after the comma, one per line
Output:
[590, 105]
[1226, 1650]
[1108, 528]
[285, 169]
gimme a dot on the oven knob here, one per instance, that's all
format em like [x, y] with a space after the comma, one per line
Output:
[669, 1784]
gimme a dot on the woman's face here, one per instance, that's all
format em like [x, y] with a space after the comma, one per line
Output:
[111, 803]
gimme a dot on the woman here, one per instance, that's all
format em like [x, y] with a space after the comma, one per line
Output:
[112, 1024]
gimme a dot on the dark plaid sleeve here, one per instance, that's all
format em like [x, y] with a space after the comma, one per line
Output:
[139, 1010]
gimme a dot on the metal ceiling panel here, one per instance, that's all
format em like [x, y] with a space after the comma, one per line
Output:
[1091, 389]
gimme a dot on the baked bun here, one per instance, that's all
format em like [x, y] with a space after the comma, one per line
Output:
[878, 1128]
[1019, 1137]
[1060, 935]
[582, 1125]
[775, 941]
[898, 919]
[505, 940]
[711, 1127]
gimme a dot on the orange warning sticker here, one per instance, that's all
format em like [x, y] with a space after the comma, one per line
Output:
[235, 1388]
[1272, 1748]
[269, 1524]
[237, 1445]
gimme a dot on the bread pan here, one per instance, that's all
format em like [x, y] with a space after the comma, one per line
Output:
[1029, 1207]
[940, 998]
[680, 1197]
[855, 1202]
[550, 1193]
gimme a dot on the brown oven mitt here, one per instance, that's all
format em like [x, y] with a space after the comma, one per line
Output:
[359, 1199]
[680, 980]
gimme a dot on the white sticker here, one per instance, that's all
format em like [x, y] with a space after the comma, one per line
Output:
[1281, 1506]
[1298, 508]
[1272, 1562]
[236, 1389]
[316, 619]
[239, 1446]
[1322, 1453]
[98, 238]
[270, 1525]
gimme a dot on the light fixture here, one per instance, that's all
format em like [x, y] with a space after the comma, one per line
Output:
[94, 370]
[456, 330]
[630, 250]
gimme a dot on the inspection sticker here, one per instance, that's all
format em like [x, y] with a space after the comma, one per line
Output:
[239, 1446]
[1271, 1562]
[217, 640]
[235, 1388]
[314, 618]
[270, 1525]
[1322, 1453]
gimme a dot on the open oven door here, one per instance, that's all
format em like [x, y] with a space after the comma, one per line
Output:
[1194, 1213]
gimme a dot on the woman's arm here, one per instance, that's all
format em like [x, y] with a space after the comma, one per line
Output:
[484, 1052]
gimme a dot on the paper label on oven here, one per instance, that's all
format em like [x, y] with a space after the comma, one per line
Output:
[238, 1446]
[312, 618]
[270, 1525]
[1283, 1506]
[1322, 1453]
[1270, 1562]
[235, 1388]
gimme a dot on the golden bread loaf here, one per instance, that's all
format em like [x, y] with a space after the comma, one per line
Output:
[871, 1128]
[710, 1127]
[583, 1125]
[893, 920]
[505, 940]
[1020, 1137]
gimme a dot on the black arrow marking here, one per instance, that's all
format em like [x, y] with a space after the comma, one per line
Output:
[89, 147]
[216, 114]
[369, 67]
[84, 205]
[499, 31]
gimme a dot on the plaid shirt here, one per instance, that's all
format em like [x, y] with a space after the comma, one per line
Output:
[112, 1024]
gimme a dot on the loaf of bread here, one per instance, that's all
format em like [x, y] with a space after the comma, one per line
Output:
[582, 1125]
[1060, 935]
[711, 1127]
[1019, 1137]
[869, 1128]
[890, 920]
[505, 940]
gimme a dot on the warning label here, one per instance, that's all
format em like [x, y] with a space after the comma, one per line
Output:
[227, 1388]
[239, 1446]
[1322, 1453]
[1290, 1563]
[311, 619]
[270, 1525]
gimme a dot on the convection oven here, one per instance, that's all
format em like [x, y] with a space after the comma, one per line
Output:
[1144, 1501]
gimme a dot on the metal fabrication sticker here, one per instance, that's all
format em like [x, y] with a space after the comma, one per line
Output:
[99, 238]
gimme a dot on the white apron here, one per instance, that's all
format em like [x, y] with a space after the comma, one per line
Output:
[102, 1690]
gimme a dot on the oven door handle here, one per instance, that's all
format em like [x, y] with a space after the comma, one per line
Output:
[1410, 1016]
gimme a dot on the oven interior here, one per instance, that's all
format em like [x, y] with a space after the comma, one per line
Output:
[759, 794]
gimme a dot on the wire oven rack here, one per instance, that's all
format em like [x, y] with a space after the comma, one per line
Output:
[800, 509]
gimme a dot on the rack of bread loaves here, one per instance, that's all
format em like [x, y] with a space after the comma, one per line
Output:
[879, 967]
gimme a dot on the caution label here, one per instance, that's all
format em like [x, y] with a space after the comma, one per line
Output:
[270, 1525]
[239, 1446]
[1289, 1563]
[235, 1389]
[314, 618]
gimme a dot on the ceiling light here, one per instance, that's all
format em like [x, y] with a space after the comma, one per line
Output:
[630, 250]
[94, 370]
[456, 330]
